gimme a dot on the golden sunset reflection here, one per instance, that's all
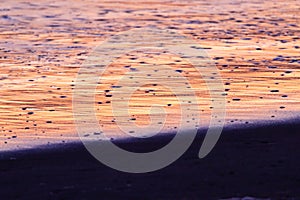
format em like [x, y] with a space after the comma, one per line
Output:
[41, 50]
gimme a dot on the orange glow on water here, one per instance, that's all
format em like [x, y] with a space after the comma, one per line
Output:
[43, 44]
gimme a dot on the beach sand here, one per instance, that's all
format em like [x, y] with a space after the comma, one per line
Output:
[261, 162]
[253, 44]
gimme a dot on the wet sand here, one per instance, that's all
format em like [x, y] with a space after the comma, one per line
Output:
[254, 44]
[261, 162]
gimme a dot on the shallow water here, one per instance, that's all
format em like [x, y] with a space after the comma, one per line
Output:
[254, 44]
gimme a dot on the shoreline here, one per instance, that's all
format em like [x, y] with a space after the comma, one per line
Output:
[72, 143]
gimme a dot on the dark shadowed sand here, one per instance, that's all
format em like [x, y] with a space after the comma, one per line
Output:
[261, 162]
